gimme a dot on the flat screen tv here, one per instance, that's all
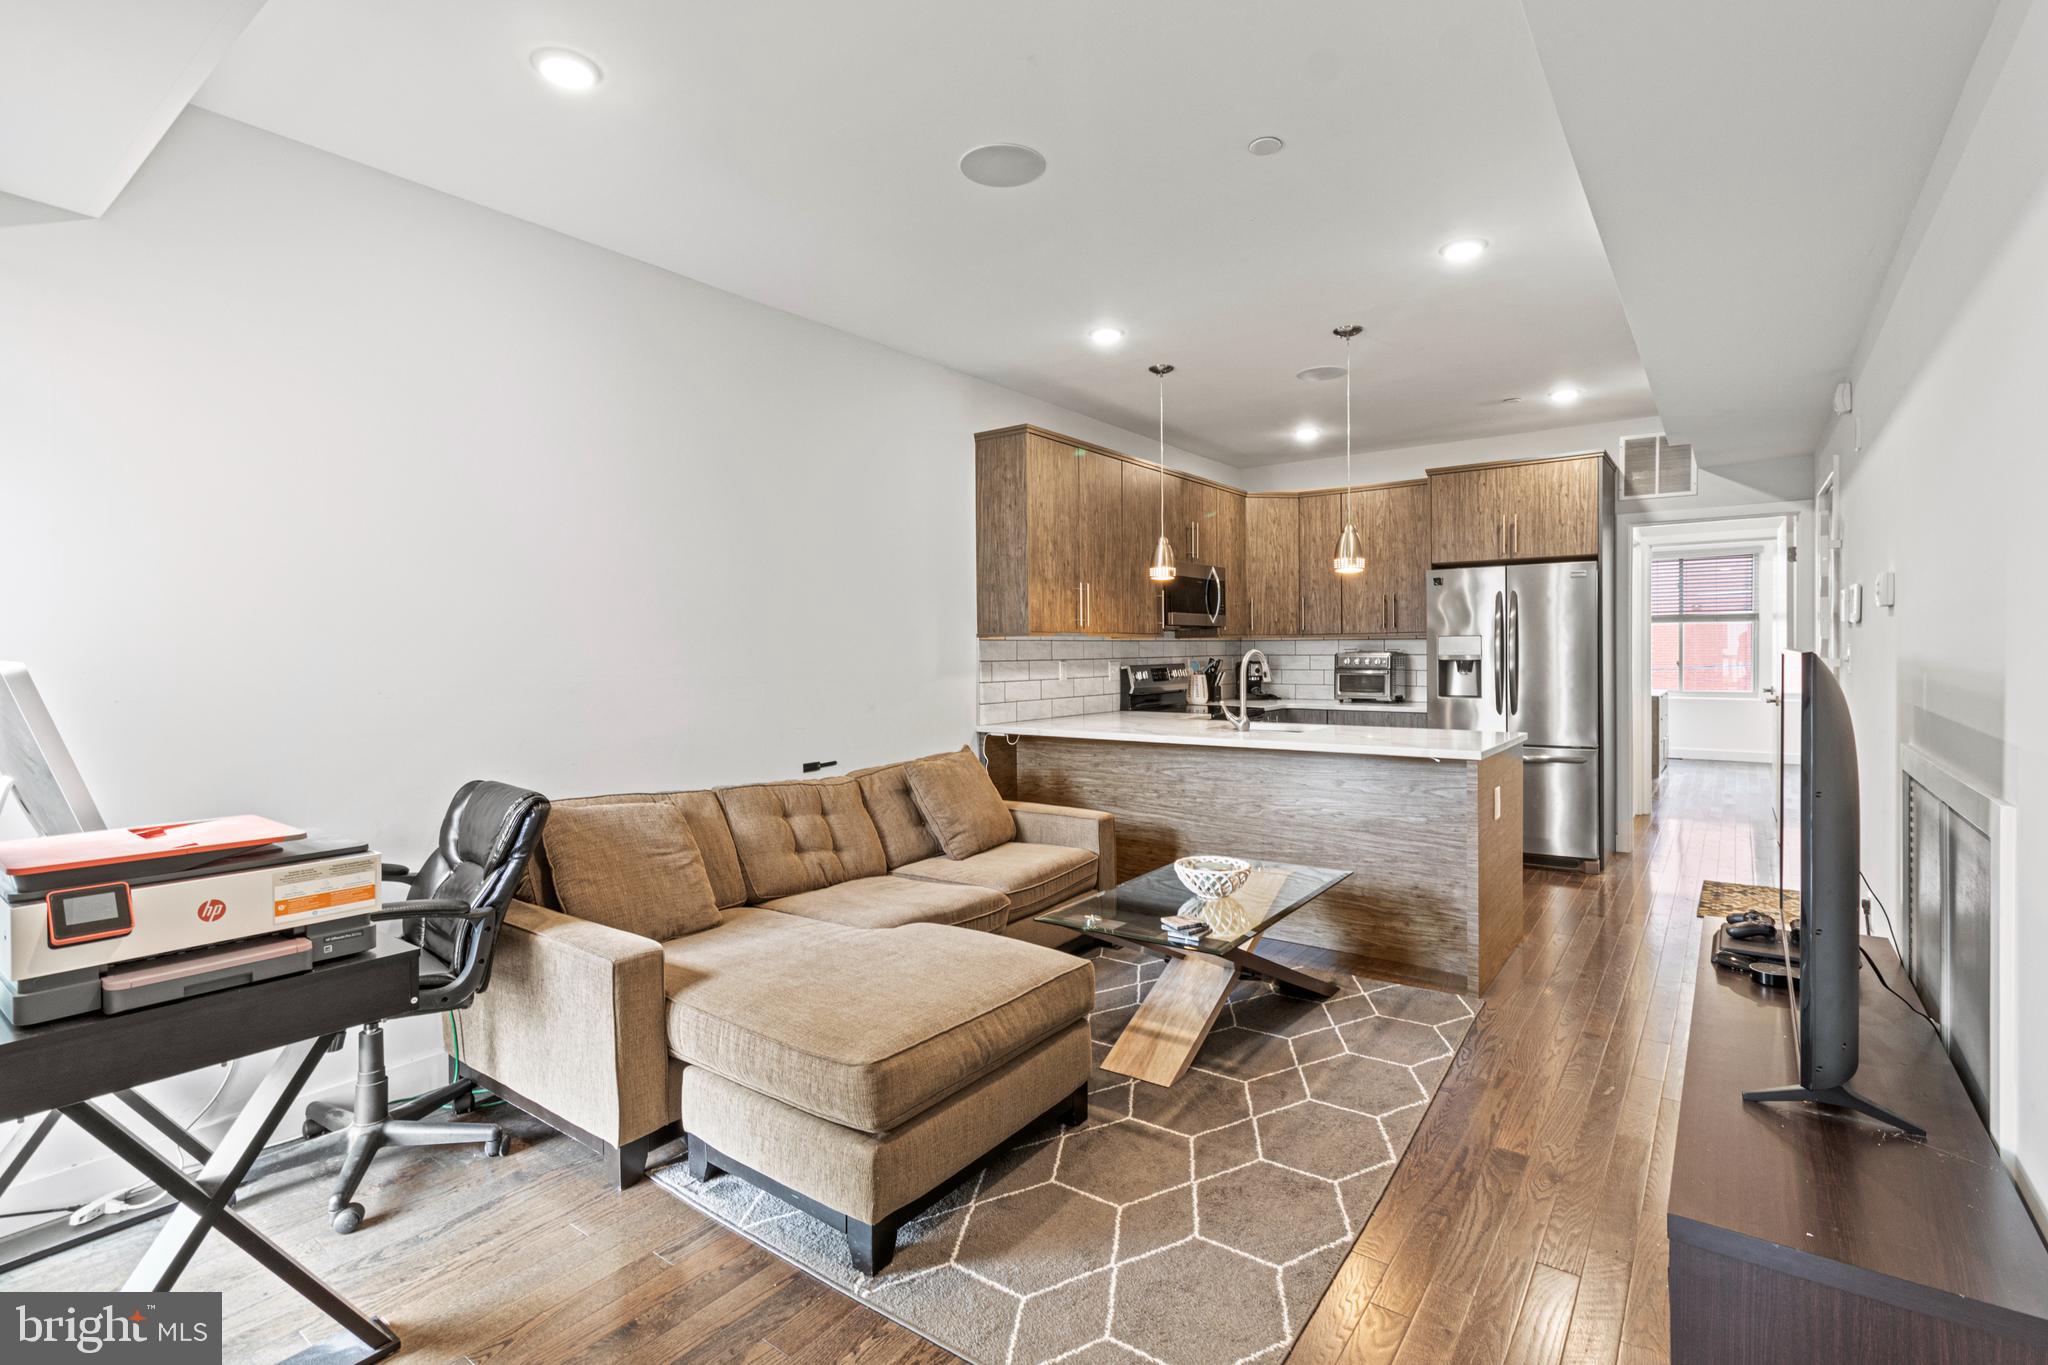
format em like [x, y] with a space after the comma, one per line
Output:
[1830, 856]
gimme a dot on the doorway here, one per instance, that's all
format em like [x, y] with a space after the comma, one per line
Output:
[1711, 605]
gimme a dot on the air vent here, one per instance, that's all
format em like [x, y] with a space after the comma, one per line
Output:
[1652, 467]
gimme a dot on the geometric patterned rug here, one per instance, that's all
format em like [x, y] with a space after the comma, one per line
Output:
[1196, 1224]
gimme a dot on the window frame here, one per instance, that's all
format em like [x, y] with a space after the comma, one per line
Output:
[1754, 618]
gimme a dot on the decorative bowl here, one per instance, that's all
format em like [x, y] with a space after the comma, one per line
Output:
[1212, 878]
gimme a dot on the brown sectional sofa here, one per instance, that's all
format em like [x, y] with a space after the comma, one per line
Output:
[863, 1018]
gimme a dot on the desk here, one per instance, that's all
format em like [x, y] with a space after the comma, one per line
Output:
[71, 1064]
[1800, 1234]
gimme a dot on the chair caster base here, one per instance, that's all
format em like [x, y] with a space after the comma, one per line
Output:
[310, 1130]
[348, 1218]
[497, 1144]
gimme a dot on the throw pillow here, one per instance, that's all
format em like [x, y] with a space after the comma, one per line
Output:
[960, 804]
[631, 866]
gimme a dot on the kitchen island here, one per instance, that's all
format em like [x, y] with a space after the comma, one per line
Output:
[1428, 822]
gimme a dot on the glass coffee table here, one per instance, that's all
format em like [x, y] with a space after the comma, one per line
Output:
[1172, 1022]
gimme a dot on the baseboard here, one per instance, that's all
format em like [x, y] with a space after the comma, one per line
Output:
[89, 1179]
[1721, 755]
[2028, 1195]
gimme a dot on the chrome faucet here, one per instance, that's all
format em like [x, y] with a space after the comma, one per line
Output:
[1242, 721]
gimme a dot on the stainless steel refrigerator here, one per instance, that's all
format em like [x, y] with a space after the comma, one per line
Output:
[1518, 647]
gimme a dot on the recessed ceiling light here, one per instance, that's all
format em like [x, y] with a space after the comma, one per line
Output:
[1463, 251]
[1106, 336]
[1564, 395]
[566, 70]
[1002, 165]
[1308, 433]
[1315, 374]
[1264, 146]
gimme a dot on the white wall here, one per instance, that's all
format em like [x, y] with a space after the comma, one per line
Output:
[1946, 490]
[1411, 462]
[326, 492]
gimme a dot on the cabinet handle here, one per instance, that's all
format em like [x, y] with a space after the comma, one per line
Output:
[1080, 606]
[1515, 534]
[1087, 604]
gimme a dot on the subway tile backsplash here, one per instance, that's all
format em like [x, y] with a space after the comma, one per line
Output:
[1036, 679]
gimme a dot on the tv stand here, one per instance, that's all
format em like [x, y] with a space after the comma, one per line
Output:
[1807, 1236]
[1835, 1097]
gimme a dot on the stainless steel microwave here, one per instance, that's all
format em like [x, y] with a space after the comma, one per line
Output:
[1197, 599]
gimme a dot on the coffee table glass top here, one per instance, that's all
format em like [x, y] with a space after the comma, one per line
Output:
[1132, 911]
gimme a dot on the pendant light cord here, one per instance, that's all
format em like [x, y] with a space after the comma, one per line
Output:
[1349, 496]
[1162, 371]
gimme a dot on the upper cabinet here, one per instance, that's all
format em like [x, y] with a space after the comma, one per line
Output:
[1322, 592]
[1270, 595]
[1064, 533]
[1392, 595]
[1508, 513]
[1049, 524]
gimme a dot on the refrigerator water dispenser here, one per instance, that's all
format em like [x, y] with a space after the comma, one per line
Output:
[1458, 659]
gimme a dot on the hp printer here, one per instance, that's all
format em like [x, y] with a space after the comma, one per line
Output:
[113, 920]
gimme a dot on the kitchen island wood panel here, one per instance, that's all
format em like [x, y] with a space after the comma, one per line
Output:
[1435, 887]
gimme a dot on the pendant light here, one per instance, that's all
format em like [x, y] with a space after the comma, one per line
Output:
[1350, 557]
[1162, 570]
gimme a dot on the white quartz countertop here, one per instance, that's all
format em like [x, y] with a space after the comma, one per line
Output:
[1371, 741]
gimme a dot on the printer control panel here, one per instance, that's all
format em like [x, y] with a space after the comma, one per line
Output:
[85, 913]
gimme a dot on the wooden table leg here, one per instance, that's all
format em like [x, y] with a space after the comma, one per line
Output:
[1299, 984]
[1172, 1022]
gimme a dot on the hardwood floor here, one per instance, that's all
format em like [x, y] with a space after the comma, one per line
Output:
[1525, 1223]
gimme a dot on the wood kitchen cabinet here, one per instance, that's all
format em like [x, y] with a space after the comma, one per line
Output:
[1391, 597]
[1272, 563]
[1064, 532]
[1206, 524]
[1509, 513]
[1322, 591]
[1049, 542]
[1140, 613]
[1554, 508]
[1401, 538]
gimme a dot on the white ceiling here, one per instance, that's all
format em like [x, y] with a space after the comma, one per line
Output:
[1752, 165]
[90, 85]
[803, 154]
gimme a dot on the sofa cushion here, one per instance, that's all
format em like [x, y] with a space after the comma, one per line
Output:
[1034, 876]
[799, 836]
[863, 1027]
[886, 902]
[906, 838]
[631, 866]
[962, 806]
[707, 826]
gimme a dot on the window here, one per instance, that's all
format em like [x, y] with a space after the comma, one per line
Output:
[1703, 625]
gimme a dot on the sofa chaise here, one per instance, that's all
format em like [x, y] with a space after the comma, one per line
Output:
[833, 988]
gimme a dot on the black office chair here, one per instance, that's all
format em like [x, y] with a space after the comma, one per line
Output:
[458, 901]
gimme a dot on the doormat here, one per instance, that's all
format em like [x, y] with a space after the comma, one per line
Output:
[1196, 1224]
[1721, 899]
